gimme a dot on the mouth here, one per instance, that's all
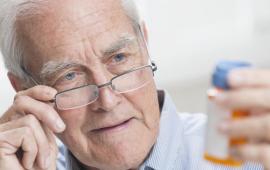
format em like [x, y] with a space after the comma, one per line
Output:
[112, 128]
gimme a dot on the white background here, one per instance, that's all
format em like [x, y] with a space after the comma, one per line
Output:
[187, 38]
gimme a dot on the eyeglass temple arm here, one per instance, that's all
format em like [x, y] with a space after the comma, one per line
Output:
[153, 64]
[34, 81]
[30, 76]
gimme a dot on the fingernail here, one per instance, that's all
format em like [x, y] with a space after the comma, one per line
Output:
[60, 125]
[54, 92]
[51, 92]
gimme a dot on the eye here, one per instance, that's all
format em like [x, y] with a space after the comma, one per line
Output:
[119, 58]
[120, 62]
[70, 79]
[70, 76]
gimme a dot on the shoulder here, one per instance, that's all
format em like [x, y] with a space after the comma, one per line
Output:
[193, 137]
[193, 123]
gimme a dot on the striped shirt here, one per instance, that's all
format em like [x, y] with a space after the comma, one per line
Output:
[179, 146]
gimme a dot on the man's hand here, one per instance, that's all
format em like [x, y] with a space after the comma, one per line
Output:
[26, 131]
[250, 92]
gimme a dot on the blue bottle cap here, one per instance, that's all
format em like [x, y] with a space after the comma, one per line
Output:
[219, 77]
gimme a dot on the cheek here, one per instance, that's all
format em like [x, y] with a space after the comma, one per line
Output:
[146, 102]
[73, 119]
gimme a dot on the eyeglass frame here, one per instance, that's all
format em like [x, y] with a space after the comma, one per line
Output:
[109, 83]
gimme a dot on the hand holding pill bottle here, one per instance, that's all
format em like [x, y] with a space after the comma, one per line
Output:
[217, 145]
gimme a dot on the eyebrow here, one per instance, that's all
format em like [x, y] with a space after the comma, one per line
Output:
[52, 67]
[124, 41]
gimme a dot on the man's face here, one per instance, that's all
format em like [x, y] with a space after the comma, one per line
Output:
[96, 41]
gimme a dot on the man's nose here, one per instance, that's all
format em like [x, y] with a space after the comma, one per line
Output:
[107, 100]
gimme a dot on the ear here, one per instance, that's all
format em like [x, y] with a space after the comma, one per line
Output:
[16, 82]
[145, 32]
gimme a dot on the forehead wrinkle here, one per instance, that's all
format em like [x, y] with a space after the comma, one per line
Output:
[83, 39]
[124, 40]
[92, 18]
[101, 30]
[93, 22]
[101, 12]
[65, 25]
[115, 13]
[85, 17]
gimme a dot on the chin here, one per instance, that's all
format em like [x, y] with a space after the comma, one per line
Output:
[127, 152]
[116, 150]
[119, 161]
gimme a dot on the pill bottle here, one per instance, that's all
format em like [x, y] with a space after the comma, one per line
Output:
[217, 145]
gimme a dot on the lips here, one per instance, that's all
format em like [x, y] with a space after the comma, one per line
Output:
[112, 126]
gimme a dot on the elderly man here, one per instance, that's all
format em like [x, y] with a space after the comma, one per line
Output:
[82, 72]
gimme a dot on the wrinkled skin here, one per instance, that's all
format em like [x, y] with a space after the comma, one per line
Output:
[80, 32]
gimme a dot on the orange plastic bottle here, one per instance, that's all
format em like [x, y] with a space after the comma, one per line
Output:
[217, 145]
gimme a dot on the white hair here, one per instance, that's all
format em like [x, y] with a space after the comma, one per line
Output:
[11, 45]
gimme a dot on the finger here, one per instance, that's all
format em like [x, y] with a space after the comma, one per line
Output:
[40, 137]
[249, 78]
[40, 92]
[9, 115]
[258, 112]
[244, 98]
[50, 136]
[52, 142]
[257, 128]
[23, 138]
[253, 153]
[44, 112]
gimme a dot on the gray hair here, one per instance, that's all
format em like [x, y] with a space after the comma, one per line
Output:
[10, 44]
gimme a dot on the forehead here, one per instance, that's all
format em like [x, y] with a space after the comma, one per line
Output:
[65, 27]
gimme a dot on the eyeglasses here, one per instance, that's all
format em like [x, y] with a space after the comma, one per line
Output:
[84, 95]
[81, 96]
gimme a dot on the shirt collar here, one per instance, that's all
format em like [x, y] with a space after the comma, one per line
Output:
[169, 144]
